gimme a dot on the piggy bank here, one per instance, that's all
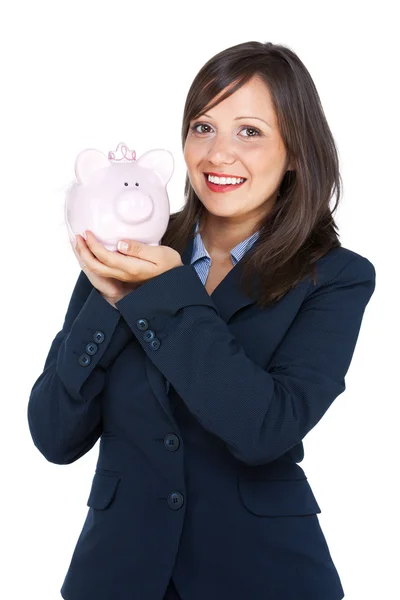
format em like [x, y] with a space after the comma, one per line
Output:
[117, 196]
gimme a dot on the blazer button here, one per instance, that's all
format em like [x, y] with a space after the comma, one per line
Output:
[98, 337]
[91, 348]
[155, 344]
[171, 442]
[84, 360]
[149, 335]
[175, 500]
[142, 324]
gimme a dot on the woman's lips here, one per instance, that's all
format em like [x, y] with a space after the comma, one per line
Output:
[229, 187]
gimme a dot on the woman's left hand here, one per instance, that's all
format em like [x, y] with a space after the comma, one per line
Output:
[135, 264]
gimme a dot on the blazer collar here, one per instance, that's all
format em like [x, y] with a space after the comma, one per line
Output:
[228, 296]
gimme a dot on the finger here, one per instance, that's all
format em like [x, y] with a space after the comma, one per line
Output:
[85, 255]
[126, 265]
[140, 250]
[76, 247]
[94, 255]
[106, 257]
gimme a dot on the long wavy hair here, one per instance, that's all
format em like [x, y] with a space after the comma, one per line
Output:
[299, 228]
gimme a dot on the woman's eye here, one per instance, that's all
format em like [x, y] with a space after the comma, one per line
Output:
[254, 129]
[257, 131]
[196, 125]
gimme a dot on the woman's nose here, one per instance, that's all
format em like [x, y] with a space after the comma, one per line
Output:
[221, 148]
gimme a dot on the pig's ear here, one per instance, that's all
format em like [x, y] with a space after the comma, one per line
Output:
[160, 161]
[88, 162]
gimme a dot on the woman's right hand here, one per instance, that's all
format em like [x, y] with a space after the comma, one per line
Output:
[110, 288]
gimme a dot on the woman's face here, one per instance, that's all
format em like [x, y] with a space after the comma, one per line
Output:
[238, 137]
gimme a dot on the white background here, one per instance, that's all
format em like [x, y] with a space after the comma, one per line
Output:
[91, 74]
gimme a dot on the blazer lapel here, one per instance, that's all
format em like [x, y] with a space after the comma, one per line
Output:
[228, 298]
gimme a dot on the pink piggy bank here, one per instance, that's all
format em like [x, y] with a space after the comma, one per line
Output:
[117, 196]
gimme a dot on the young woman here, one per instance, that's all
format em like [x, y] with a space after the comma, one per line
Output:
[202, 363]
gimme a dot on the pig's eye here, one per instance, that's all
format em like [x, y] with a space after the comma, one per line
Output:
[126, 183]
[136, 184]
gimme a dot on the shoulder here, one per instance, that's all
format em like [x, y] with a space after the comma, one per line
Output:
[342, 266]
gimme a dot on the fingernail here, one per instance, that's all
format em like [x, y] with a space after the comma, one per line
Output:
[122, 246]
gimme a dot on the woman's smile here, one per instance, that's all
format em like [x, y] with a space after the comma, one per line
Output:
[221, 188]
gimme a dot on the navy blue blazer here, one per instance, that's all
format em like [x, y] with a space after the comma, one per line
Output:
[200, 481]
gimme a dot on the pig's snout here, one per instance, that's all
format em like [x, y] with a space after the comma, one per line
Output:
[134, 206]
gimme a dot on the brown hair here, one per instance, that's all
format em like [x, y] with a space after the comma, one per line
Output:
[300, 227]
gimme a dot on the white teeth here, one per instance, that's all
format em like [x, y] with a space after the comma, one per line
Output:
[225, 180]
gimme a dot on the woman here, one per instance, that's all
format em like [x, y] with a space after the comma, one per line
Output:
[202, 363]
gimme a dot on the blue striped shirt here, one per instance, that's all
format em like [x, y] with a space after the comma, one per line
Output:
[201, 260]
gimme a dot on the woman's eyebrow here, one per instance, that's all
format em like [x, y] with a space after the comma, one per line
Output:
[237, 118]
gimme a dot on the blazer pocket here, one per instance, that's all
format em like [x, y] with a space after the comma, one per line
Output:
[103, 490]
[278, 498]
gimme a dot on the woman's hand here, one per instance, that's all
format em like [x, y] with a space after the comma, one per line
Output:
[115, 274]
[111, 289]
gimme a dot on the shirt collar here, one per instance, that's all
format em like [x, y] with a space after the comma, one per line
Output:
[200, 251]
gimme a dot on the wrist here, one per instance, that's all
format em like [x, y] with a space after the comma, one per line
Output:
[111, 300]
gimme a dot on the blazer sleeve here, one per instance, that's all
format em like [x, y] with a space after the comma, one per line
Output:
[258, 413]
[64, 408]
